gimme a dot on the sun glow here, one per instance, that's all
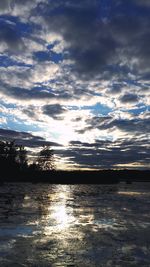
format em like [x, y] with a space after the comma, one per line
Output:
[61, 217]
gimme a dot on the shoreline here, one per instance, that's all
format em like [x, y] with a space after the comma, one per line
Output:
[77, 177]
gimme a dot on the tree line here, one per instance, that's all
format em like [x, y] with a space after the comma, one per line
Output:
[15, 158]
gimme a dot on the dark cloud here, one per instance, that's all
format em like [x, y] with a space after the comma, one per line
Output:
[91, 44]
[22, 2]
[107, 154]
[10, 35]
[9, 5]
[136, 125]
[139, 126]
[4, 4]
[82, 144]
[145, 3]
[129, 98]
[105, 40]
[30, 111]
[115, 88]
[77, 119]
[101, 43]
[33, 93]
[26, 139]
[95, 122]
[54, 111]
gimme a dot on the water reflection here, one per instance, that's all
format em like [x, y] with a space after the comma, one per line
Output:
[59, 215]
[130, 193]
[74, 225]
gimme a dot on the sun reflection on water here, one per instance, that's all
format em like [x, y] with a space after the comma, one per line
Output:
[60, 216]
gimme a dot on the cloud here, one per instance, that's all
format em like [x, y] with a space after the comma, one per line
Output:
[25, 94]
[100, 46]
[19, 8]
[129, 126]
[54, 111]
[80, 66]
[145, 3]
[3, 120]
[108, 154]
[35, 93]
[24, 138]
[95, 48]
[129, 98]
[4, 6]
[10, 36]
[91, 45]
[135, 125]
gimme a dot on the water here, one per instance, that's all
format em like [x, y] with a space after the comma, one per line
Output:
[75, 225]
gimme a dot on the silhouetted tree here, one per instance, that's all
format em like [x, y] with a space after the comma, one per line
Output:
[11, 153]
[22, 157]
[3, 154]
[12, 156]
[45, 160]
[2, 149]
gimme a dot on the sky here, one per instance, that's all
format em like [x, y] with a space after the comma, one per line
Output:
[75, 75]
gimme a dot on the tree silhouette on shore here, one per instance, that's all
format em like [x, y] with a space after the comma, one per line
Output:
[14, 158]
[45, 160]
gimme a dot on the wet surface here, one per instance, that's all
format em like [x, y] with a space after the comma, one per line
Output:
[75, 225]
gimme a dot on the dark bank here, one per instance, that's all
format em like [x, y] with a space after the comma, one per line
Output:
[76, 177]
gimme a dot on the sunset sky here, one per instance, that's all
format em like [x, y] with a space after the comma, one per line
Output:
[75, 74]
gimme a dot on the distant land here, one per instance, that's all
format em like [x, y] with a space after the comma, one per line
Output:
[15, 167]
[77, 177]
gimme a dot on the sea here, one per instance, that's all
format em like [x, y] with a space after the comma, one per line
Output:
[48, 225]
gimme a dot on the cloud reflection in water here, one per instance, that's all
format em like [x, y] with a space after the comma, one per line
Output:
[74, 225]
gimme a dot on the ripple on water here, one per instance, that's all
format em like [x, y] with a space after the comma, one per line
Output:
[74, 225]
